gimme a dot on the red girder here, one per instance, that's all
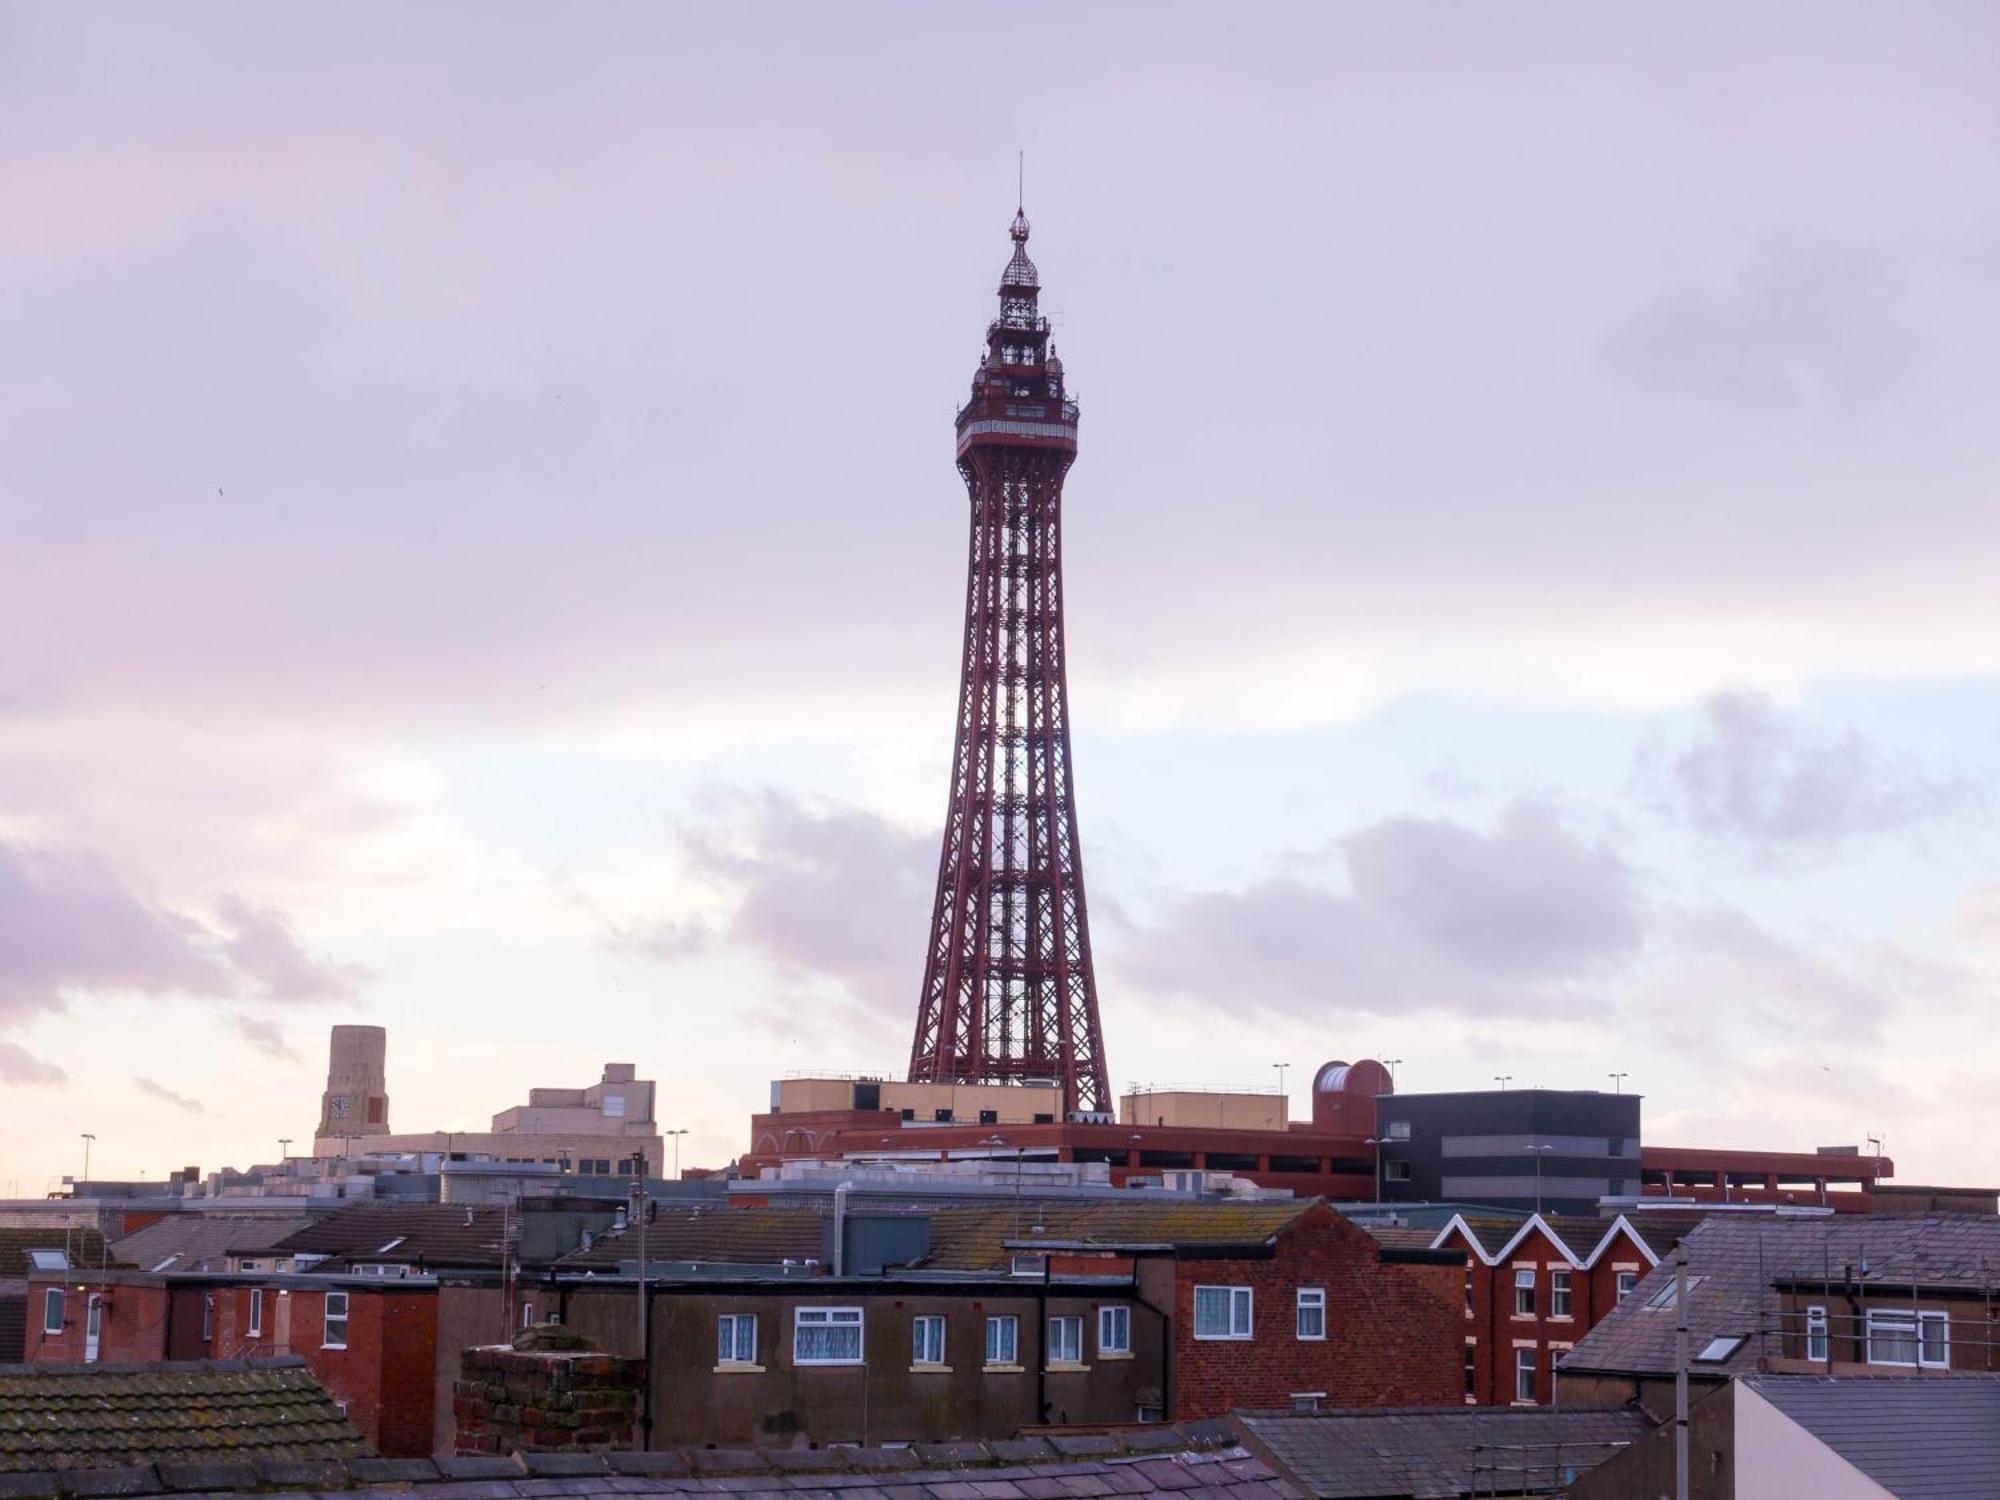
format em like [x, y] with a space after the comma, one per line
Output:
[1009, 991]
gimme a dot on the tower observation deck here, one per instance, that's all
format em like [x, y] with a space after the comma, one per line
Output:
[1009, 993]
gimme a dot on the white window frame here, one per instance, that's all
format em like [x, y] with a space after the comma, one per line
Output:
[730, 1329]
[1065, 1335]
[1529, 1368]
[53, 1307]
[1628, 1283]
[1898, 1323]
[1310, 1303]
[256, 1312]
[1562, 1294]
[1524, 1283]
[1239, 1313]
[1818, 1345]
[208, 1317]
[829, 1318]
[328, 1318]
[527, 1315]
[1003, 1328]
[927, 1335]
[1114, 1329]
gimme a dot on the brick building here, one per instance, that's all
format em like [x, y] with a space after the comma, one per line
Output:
[1533, 1288]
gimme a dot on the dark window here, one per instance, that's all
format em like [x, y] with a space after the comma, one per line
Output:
[1231, 1161]
[867, 1096]
[944, 1117]
[1396, 1171]
[989, 1117]
[1471, 1371]
[1292, 1163]
[1045, 1119]
[1166, 1158]
[909, 1114]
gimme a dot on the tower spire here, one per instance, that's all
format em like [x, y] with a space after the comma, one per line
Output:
[1010, 993]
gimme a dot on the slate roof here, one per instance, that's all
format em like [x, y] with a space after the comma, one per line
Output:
[973, 1237]
[714, 1234]
[1401, 1236]
[201, 1242]
[1734, 1260]
[101, 1416]
[86, 1248]
[1449, 1451]
[1919, 1437]
[1201, 1460]
[433, 1235]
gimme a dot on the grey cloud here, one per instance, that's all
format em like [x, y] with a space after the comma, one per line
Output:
[69, 924]
[23, 1069]
[161, 1092]
[825, 893]
[1814, 330]
[265, 1037]
[1525, 919]
[1772, 787]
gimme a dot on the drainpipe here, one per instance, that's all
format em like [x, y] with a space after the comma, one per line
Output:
[840, 1229]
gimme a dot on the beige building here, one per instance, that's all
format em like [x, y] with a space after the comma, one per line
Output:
[1206, 1109]
[605, 1129]
[921, 1103]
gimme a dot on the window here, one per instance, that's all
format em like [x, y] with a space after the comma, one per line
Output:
[1663, 1299]
[1524, 1292]
[256, 1311]
[1222, 1312]
[1816, 1345]
[1559, 1294]
[207, 1317]
[1399, 1130]
[1468, 1286]
[1003, 1341]
[527, 1315]
[1626, 1281]
[334, 1335]
[1152, 1414]
[826, 1336]
[52, 1310]
[1524, 1375]
[1114, 1330]
[1396, 1171]
[1027, 1265]
[927, 1341]
[1312, 1312]
[736, 1339]
[943, 1116]
[1307, 1400]
[989, 1117]
[1904, 1338]
[1065, 1341]
[1721, 1347]
[1472, 1372]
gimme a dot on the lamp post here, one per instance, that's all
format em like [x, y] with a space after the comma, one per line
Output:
[284, 1149]
[87, 1139]
[1618, 1081]
[1391, 1064]
[1540, 1152]
[1503, 1079]
[645, 1347]
[1377, 1144]
[1281, 1075]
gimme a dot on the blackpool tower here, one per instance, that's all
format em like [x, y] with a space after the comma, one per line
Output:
[1009, 994]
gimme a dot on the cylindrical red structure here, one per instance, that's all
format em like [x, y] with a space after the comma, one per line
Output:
[1009, 993]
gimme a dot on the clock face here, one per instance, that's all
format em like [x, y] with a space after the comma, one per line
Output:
[337, 1106]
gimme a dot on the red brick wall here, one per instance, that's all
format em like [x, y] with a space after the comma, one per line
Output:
[132, 1326]
[1392, 1331]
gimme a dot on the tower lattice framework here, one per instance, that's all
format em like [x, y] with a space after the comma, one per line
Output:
[1009, 993]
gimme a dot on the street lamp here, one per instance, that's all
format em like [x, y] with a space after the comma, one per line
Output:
[87, 1139]
[1390, 1063]
[1618, 1081]
[1540, 1152]
[675, 1136]
[1281, 1075]
[1503, 1079]
[645, 1349]
[284, 1149]
[1377, 1144]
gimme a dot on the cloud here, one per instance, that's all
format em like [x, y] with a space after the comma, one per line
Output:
[162, 1092]
[827, 894]
[1434, 916]
[261, 947]
[69, 925]
[264, 1036]
[1766, 784]
[1813, 330]
[23, 1069]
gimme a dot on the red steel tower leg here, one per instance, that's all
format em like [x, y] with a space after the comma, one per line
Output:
[1009, 993]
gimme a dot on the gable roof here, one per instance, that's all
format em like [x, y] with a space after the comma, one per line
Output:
[99, 1416]
[710, 1234]
[1579, 1240]
[1922, 1437]
[202, 1242]
[1424, 1452]
[433, 1235]
[86, 1248]
[1734, 1262]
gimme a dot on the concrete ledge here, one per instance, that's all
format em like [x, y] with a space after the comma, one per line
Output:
[126, 1479]
[208, 1475]
[391, 1470]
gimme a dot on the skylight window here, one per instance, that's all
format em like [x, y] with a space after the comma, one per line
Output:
[168, 1261]
[49, 1260]
[1721, 1347]
[1664, 1297]
[385, 1249]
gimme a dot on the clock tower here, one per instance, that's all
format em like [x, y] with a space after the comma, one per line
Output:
[356, 1101]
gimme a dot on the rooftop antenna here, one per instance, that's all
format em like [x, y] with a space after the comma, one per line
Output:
[1021, 180]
